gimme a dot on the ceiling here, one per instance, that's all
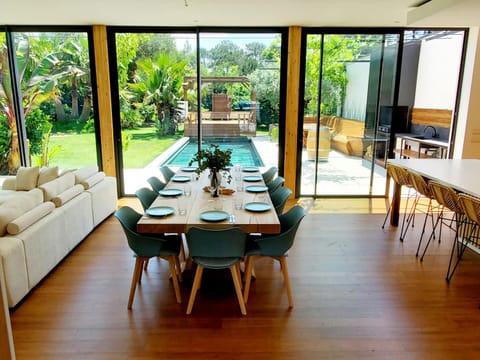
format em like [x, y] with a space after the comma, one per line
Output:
[321, 13]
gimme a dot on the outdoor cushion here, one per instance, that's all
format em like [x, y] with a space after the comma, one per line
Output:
[84, 173]
[30, 217]
[93, 180]
[57, 186]
[17, 206]
[47, 174]
[67, 195]
[26, 178]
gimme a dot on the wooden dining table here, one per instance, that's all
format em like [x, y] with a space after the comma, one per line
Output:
[261, 218]
[460, 174]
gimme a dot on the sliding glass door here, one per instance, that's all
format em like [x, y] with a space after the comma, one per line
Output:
[47, 99]
[348, 79]
[178, 91]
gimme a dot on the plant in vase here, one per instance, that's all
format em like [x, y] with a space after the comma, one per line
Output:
[217, 161]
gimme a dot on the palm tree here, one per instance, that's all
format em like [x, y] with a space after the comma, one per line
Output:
[159, 82]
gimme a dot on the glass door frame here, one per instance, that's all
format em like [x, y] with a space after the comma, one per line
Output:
[197, 31]
[373, 31]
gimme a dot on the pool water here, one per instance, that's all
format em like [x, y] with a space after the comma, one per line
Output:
[243, 151]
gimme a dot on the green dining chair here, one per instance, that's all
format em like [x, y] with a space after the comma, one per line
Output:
[167, 173]
[275, 184]
[276, 247]
[217, 249]
[156, 183]
[279, 198]
[146, 197]
[144, 247]
[269, 174]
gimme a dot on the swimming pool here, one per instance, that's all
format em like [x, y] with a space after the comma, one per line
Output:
[243, 151]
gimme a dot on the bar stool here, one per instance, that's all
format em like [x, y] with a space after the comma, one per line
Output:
[448, 198]
[423, 191]
[471, 208]
[401, 177]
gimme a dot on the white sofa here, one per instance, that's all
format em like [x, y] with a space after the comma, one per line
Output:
[43, 216]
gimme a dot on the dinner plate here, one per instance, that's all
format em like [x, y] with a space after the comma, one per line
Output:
[214, 216]
[257, 206]
[178, 178]
[171, 192]
[250, 169]
[160, 211]
[252, 178]
[189, 168]
[256, 188]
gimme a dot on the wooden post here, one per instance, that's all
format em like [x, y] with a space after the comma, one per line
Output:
[104, 99]
[7, 350]
[291, 120]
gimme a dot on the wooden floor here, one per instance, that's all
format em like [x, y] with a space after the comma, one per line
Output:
[359, 293]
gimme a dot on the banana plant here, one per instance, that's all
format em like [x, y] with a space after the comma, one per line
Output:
[38, 80]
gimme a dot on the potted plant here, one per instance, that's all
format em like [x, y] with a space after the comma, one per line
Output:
[217, 161]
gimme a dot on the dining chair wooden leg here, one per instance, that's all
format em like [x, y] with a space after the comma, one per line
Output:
[248, 277]
[195, 286]
[137, 272]
[283, 262]
[238, 288]
[142, 267]
[179, 268]
[239, 274]
[173, 273]
[145, 267]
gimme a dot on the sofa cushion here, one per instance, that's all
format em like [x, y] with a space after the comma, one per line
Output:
[8, 194]
[67, 195]
[47, 174]
[9, 182]
[26, 178]
[84, 173]
[17, 206]
[30, 217]
[93, 180]
[55, 187]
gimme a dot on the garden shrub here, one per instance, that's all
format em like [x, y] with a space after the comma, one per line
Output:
[5, 139]
[37, 124]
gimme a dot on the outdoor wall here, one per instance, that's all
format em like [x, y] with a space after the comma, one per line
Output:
[356, 92]
[438, 71]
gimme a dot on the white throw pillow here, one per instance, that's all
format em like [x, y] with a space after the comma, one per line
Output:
[30, 217]
[47, 174]
[26, 178]
[67, 195]
[93, 180]
[57, 186]
[84, 173]
[17, 206]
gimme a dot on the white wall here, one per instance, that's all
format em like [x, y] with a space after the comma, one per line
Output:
[467, 139]
[438, 70]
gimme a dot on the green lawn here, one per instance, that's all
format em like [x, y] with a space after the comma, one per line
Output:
[79, 150]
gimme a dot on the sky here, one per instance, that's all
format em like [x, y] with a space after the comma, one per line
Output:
[209, 40]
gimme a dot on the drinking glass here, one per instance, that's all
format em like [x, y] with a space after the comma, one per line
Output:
[238, 201]
[182, 205]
